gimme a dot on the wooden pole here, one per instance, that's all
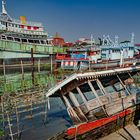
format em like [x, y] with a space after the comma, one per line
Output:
[4, 73]
[45, 107]
[33, 64]
[32, 105]
[51, 64]
[39, 66]
[10, 128]
[22, 70]
[17, 116]
[2, 108]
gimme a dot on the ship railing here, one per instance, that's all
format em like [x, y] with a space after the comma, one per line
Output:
[8, 45]
[28, 23]
[2, 28]
[27, 32]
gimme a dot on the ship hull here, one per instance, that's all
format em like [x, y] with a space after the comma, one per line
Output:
[102, 127]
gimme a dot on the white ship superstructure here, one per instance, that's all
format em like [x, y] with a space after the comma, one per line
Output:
[19, 37]
[10, 26]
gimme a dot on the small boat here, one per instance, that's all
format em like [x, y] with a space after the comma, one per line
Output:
[78, 58]
[98, 103]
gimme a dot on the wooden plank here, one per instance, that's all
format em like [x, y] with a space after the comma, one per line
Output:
[130, 132]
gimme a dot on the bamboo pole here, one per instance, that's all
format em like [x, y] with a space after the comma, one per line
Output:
[22, 70]
[10, 126]
[51, 64]
[39, 66]
[31, 105]
[4, 73]
[2, 108]
[17, 119]
[33, 64]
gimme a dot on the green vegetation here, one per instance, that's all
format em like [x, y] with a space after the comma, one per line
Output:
[16, 83]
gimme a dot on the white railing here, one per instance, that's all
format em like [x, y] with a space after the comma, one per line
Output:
[26, 31]
[28, 23]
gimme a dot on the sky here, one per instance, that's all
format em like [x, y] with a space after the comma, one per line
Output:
[74, 19]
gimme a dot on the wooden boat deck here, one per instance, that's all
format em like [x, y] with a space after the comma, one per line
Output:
[130, 132]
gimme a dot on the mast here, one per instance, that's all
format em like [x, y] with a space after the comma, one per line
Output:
[91, 39]
[132, 38]
[3, 7]
[121, 57]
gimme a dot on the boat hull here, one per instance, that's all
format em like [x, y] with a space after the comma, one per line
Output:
[102, 127]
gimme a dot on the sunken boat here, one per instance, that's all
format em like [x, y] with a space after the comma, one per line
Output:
[98, 103]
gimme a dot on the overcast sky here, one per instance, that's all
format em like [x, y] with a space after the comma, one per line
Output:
[81, 18]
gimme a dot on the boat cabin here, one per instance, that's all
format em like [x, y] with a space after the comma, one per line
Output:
[115, 52]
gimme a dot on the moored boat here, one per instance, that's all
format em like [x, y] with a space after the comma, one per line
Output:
[106, 56]
[22, 40]
[98, 103]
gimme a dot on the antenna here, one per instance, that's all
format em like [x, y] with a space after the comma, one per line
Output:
[3, 7]
[132, 38]
[91, 39]
[104, 38]
[116, 40]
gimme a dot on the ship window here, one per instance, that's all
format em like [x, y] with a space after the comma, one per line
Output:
[24, 40]
[36, 41]
[96, 87]
[16, 26]
[42, 42]
[17, 39]
[31, 41]
[70, 101]
[78, 97]
[9, 38]
[86, 90]
[47, 42]
[110, 89]
[3, 23]
[3, 37]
